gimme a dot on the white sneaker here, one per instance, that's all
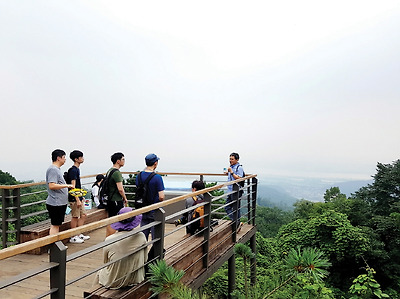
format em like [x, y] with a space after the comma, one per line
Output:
[76, 240]
[83, 237]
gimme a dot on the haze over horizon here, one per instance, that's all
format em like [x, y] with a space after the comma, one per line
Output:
[300, 89]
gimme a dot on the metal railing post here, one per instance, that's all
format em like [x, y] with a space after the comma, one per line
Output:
[249, 203]
[159, 229]
[17, 212]
[4, 216]
[11, 215]
[58, 254]
[207, 223]
[231, 275]
[236, 207]
[254, 200]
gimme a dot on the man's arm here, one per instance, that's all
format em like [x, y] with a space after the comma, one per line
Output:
[55, 186]
[161, 195]
[122, 192]
[237, 175]
[78, 201]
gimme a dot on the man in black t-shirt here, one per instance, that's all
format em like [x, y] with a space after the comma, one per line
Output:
[78, 212]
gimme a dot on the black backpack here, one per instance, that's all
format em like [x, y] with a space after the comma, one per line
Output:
[104, 188]
[142, 194]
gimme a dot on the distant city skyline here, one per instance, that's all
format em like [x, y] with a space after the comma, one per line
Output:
[299, 89]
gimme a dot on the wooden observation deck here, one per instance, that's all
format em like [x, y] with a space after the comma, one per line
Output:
[69, 273]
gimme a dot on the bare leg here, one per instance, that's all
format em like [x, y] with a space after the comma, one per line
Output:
[54, 229]
[81, 220]
[74, 222]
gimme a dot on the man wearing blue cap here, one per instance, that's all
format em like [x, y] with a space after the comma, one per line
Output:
[155, 189]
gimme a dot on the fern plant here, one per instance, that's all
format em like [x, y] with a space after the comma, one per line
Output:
[166, 280]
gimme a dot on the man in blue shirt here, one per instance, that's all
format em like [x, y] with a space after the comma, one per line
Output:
[235, 171]
[155, 190]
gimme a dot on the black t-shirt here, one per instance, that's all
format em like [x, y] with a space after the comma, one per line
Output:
[74, 174]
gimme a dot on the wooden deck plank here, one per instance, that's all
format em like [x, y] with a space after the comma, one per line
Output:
[39, 284]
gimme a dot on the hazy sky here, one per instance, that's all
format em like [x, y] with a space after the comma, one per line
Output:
[296, 87]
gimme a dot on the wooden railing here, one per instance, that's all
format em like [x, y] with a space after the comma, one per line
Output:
[59, 259]
[16, 199]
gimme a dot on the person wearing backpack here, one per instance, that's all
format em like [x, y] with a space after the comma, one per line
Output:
[116, 197]
[155, 190]
[235, 171]
[96, 191]
[190, 202]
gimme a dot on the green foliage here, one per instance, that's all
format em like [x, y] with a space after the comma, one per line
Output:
[245, 253]
[269, 220]
[215, 192]
[305, 209]
[218, 212]
[31, 195]
[333, 234]
[309, 261]
[7, 179]
[333, 194]
[365, 286]
[217, 285]
[384, 191]
[131, 190]
[164, 278]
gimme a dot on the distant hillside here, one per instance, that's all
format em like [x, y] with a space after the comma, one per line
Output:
[274, 196]
[283, 192]
[352, 186]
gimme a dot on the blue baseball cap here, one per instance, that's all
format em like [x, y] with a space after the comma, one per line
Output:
[151, 158]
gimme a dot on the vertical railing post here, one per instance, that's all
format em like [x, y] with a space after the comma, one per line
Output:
[231, 275]
[254, 200]
[17, 212]
[10, 215]
[58, 254]
[235, 222]
[202, 178]
[4, 216]
[207, 223]
[159, 230]
[249, 203]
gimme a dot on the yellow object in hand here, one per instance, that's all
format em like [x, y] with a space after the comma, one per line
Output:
[77, 192]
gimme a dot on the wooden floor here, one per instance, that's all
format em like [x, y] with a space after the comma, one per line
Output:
[39, 284]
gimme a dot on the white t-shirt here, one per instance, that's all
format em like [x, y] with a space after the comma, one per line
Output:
[95, 193]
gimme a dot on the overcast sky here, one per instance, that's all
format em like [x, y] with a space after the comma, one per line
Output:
[298, 88]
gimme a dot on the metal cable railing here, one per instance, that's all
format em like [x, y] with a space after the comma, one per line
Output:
[58, 255]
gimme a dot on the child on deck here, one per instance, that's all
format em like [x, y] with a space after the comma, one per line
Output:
[192, 201]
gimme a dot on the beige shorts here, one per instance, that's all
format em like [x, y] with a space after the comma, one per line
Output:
[77, 211]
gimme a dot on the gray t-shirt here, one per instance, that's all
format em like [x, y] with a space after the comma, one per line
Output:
[56, 197]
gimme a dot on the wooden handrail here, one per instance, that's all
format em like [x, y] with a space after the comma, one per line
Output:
[30, 245]
[123, 172]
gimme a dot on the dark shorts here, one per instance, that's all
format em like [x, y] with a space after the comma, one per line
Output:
[113, 207]
[56, 213]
